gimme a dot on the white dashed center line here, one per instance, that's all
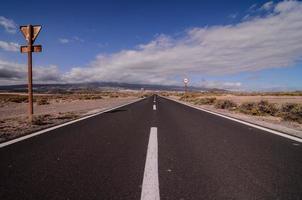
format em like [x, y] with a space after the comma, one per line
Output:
[150, 188]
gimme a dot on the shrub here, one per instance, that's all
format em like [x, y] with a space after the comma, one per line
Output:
[260, 108]
[112, 95]
[225, 104]
[265, 107]
[291, 112]
[249, 108]
[42, 101]
[40, 120]
[18, 99]
[185, 97]
[205, 101]
[68, 115]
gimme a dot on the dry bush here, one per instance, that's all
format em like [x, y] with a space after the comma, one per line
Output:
[6, 98]
[42, 101]
[249, 108]
[260, 108]
[190, 97]
[267, 108]
[68, 115]
[205, 101]
[291, 112]
[41, 120]
[113, 95]
[225, 104]
[90, 97]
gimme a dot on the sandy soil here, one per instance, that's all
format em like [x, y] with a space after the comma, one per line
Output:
[14, 122]
[272, 99]
[10, 110]
[271, 122]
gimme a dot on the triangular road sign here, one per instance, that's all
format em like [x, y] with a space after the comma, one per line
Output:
[24, 30]
[35, 31]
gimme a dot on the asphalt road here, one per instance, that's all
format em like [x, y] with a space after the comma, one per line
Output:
[188, 154]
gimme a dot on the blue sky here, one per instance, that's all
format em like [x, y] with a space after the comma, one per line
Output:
[157, 42]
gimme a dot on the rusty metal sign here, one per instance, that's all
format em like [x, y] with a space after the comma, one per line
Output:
[35, 48]
[35, 31]
[30, 32]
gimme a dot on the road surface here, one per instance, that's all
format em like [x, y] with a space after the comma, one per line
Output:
[153, 149]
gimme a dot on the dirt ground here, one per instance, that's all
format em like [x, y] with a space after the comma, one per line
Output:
[11, 109]
[272, 99]
[14, 122]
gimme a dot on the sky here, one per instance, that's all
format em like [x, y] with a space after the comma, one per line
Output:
[237, 45]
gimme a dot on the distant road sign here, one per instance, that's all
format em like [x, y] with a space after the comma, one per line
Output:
[186, 80]
[35, 32]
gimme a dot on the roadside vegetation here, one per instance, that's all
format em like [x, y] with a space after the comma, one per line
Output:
[286, 111]
[44, 99]
[15, 127]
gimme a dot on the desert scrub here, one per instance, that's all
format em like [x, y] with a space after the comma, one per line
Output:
[92, 97]
[13, 98]
[42, 101]
[41, 120]
[260, 108]
[267, 108]
[205, 101]
[249, 108]
[112, 95]
[187, 97]
[225, 104]
[291, 112]
[68, 115]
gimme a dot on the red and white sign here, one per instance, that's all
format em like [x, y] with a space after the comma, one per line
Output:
[186, 81]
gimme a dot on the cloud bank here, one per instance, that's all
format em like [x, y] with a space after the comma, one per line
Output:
[9, 46]
[14, 73]
[8, 24]
[270, 40]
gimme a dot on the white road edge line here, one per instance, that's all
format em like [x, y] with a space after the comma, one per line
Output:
[4, 144]
[150, 187]
[154, 107]
[243, 122]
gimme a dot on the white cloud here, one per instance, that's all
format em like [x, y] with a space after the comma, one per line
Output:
[267, 6]
[263, 42]
[64, 40]
[78, 39]
[73, 39]
[288, 6]
[9, 46]
[233, 16]
[15, 73]
[222, 85]
[9, 25]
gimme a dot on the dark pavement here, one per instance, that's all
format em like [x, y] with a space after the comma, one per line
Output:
[201, 156]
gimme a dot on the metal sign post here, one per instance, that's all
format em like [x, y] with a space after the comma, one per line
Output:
[30, 33]
[186, 81]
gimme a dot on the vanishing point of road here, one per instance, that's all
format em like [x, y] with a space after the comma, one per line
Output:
[152, 149]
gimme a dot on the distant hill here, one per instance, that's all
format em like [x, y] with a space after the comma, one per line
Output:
[45, 88]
